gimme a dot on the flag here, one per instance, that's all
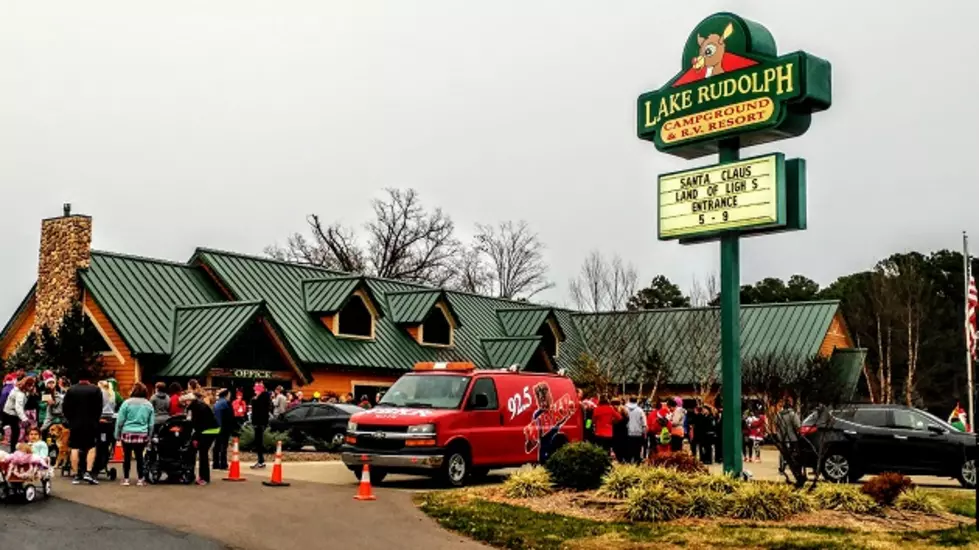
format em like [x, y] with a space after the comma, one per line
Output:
[971, 333]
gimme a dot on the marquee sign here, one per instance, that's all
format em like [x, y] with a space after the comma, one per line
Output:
[732, 84]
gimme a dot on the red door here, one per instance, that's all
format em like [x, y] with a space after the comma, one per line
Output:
[484, 422]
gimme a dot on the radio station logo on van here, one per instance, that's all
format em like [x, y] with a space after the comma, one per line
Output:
[732, 84]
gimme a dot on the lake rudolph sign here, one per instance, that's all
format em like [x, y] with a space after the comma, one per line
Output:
[732, 84]
[732, 91]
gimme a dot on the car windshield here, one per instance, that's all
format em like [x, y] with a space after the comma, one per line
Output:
[427, 391]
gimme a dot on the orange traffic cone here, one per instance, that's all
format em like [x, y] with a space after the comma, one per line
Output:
[276, 480]
[365, 492]
[234, 472]
[117, 454]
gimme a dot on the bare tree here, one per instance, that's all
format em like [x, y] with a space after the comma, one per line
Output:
[515, 259]
[702, 334]
[906, 295]
[603, 285]
[404, 242]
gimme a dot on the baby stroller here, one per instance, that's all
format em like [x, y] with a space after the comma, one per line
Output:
[171, 452]
[25, 476]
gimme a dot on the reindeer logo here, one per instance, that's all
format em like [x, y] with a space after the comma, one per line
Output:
[712, 52]
[714, 58]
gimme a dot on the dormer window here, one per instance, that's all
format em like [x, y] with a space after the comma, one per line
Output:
[345, 305]
[426, 315]
[437, 329]
[550, 342]
[355, 319]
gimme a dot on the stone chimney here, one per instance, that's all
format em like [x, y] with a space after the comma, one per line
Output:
[65, 248]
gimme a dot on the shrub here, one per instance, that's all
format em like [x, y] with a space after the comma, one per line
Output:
[798, 501]
[915, 500]
[844, 498]
[704, 503]
[668, 477]
[718, 483]
[759, 501]
[654, 502]
[620, 479]
[246, 439]
[679, 461]
[579, 466]
[886, 487]
[528, 483]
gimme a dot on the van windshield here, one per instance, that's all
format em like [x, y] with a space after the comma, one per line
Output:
[426, 391]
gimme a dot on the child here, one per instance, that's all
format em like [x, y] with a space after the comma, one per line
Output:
[664, 437]
[38, 447]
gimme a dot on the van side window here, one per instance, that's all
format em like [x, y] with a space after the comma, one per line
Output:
[486, 387]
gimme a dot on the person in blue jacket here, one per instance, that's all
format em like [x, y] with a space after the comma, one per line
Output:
[225, 416]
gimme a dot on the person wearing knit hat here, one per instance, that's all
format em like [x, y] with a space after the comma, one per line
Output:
[261, 408]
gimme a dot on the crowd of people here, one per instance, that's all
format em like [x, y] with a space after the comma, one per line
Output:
[634, 429]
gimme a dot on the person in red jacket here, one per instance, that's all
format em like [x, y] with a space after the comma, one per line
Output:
[604, 418]
[175, 390]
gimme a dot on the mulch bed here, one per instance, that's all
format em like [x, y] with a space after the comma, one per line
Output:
[291, 456]
[587, 505]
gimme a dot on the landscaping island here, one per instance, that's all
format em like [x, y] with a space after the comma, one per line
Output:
[681, 506]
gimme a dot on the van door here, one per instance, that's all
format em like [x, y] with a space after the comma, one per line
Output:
[485, 421]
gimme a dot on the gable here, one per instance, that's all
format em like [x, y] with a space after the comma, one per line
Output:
[139, 295]
[19, 325]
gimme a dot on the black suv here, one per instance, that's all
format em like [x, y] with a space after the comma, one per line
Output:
[322, 424]
[869, 439]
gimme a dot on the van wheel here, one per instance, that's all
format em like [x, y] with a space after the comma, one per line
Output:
[455, 469]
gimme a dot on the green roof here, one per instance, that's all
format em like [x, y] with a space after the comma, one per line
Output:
[413, 306]
[688, 339]
[139, 296]
[504, 352]
[201, 334]
[522, 321]
[329, 295]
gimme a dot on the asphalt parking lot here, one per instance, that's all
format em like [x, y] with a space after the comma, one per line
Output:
[54, 523]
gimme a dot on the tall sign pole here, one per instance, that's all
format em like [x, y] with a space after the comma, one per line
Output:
[733, 90]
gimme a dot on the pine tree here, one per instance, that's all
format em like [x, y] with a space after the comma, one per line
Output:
[73, 351]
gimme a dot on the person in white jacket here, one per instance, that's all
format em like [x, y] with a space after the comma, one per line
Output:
[13, 410]
[636, 429]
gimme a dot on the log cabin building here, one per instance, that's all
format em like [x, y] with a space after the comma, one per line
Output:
[228, 319]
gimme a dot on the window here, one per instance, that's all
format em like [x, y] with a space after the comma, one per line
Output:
[355, 319]
[436, 329]
[322, 411]
[871, 417]
[484, 386]
[427, 391]
[549, 341]
[296, 414]
[910, 420]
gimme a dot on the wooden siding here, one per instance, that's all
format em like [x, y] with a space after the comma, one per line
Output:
[25, 323]
[836, 337]
[343, 382]
[118, 363]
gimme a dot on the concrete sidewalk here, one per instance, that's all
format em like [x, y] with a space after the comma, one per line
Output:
[251, 516]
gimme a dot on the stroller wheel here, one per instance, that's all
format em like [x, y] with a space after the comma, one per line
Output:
[153, 476]
[111, 473]
[30, 493]
[46, 487]
[187, 477]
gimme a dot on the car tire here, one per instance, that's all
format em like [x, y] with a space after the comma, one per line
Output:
[837, 468]
[456, 467]
[967, 473]
[377, 474]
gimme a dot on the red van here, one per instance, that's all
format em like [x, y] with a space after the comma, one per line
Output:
[452, 421]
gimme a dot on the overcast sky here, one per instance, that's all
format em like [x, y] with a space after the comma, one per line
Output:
[223, 123]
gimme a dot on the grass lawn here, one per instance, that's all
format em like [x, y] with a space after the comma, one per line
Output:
[957, 501]
[514, 527]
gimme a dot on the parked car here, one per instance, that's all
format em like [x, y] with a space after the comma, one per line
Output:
[869, 439]
[453, 422]
[320, 424]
